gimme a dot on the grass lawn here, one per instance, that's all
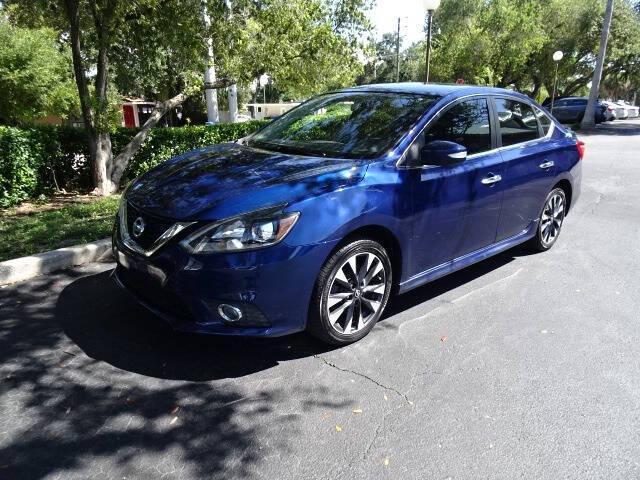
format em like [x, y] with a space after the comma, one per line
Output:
[48, 227]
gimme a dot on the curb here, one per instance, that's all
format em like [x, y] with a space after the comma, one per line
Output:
[24, 268]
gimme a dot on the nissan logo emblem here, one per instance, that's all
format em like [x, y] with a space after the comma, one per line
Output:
[138, 227]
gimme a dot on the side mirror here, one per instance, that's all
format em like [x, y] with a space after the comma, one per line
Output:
[442, 153]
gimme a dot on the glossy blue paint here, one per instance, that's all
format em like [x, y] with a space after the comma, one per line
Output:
[442, 218]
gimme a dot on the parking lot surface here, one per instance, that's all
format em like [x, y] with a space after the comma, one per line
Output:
[523, 366]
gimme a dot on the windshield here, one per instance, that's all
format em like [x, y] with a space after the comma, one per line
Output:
[345, 125]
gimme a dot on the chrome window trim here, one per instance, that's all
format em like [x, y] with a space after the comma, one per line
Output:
[400, 162]
[131, 244]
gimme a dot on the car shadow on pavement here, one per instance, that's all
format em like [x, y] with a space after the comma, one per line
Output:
[619, 128]
[65, 412]
[128, 336]
[108, 325]
[64, 408]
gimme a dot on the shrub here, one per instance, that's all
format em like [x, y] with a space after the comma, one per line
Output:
[39, 160]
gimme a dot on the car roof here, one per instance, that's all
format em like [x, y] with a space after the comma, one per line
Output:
[438, 89]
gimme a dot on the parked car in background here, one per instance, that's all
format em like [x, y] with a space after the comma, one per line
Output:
[622, 112]
[610, 112]
[311, 222]
[572, 109]
[632, 110]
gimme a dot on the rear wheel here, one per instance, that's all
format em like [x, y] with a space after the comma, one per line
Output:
[551, 219]
[351, 293]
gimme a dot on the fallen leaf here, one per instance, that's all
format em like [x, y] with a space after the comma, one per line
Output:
[443, 338]
[173, 420]
[385, 462]
[338, 428]
[385, 397]
[357, 410]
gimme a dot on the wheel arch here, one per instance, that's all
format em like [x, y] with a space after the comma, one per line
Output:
[386, 238]
[565, 185]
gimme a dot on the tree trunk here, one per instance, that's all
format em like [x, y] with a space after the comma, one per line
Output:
[588, 121]
[122, 160]
[100, 149]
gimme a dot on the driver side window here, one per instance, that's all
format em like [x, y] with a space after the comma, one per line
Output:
[466, 123]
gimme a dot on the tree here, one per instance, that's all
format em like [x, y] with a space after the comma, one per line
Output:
[381, 67]
[35, 78]
[306, 46]
[157, 48]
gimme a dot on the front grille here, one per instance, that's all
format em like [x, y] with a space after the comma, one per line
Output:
[154, 227]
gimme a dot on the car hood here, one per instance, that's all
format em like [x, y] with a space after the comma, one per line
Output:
[229, 179]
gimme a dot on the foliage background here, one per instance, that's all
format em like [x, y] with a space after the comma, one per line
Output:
[40, 159]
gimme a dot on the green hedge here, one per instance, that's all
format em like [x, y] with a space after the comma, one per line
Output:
[37, 160]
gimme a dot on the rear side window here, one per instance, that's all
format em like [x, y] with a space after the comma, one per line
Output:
[466, 123]
[545, 121]
[518, 124]
[578, 102]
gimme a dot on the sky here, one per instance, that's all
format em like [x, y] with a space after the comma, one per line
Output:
[384, 16]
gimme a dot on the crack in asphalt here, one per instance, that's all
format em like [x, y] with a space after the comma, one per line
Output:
[372, 380]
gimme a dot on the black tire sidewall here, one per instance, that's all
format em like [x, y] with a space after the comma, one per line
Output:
[539, 243]
[319, 324]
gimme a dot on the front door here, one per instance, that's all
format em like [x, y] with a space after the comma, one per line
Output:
[456, 208]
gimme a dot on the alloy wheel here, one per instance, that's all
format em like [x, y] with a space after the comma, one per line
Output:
[356, 293]
[552, 218]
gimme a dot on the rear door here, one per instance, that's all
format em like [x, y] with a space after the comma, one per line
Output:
[529, 162]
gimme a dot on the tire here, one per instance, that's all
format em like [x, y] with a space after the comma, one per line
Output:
[550, 223]
[358, 297]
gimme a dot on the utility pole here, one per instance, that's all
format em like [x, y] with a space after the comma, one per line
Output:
[210, 93]
[398, 53]
[588, 121]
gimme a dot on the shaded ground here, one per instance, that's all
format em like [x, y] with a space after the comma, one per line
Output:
[67, 220]
[523, 366]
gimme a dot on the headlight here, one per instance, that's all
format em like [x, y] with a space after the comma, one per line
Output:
[246, 232]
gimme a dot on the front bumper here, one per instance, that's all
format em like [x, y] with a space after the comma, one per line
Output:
[271, 286]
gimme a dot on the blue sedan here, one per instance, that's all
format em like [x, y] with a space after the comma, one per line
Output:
[312, 222]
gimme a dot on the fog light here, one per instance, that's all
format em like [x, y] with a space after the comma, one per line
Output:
[229, 312]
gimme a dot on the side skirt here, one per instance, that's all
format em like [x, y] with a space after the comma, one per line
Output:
[468, 259]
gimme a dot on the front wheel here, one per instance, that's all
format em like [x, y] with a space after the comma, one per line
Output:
[351, 293]
[551, 219]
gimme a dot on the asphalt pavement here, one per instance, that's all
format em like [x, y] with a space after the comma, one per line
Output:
[523, 366]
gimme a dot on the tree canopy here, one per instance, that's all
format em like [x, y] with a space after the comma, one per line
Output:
[158, 48]
[511, 43]
[35, 75]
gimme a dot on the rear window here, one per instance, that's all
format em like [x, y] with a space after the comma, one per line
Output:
[518, 123]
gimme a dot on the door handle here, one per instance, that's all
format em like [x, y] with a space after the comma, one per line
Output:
[547, 164]
[491, 180]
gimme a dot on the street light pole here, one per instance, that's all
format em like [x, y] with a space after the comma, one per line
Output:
[557, 56]
[428, 59]
[430, 6]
